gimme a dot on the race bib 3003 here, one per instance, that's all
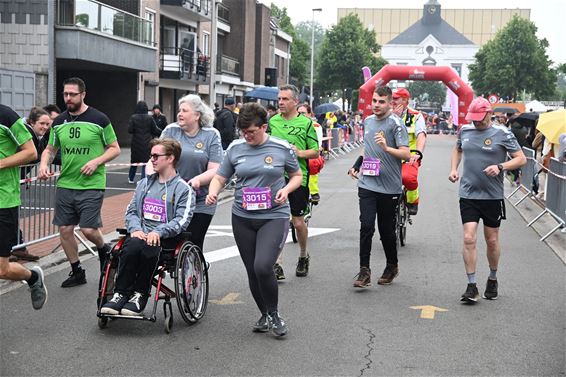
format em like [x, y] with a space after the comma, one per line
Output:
[370, 166]
[256, 198]
[154, 210]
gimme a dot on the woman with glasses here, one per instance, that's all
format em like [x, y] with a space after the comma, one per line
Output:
[159, 211]
[260, 213]
[201, 154]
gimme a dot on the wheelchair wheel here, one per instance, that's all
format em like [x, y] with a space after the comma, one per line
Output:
[191, 283]
[168, 323]
[401, 226]
[102, 322]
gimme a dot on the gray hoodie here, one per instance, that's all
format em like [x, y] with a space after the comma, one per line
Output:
[180, 205]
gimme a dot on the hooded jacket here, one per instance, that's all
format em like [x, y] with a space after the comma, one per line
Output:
[180, 203]
[143, 129]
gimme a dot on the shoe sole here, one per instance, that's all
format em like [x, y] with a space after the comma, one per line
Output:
[362, 286]
[387, 282]
[467, 300]
[131, 313]
[489, 298]
[109, 311]
[262, 329]
[301, 274]
[280, 334]
[74, 284]
[42, 277]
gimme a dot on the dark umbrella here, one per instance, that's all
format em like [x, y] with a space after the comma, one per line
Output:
[527, 119]
[325, 108]
[505, 109]
[264, 92]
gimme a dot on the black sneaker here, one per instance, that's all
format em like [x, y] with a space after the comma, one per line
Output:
[363, 279]
[315, 198]
[277, 324]
[471, 295]
[413, 208]
[388, 275]
[135, 305]
[115, 304]
[490, 290]
[75, 278]
[38, 290]
[262, 324]
[303, 266]
[279, 274]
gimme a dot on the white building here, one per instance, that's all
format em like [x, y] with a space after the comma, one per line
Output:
[431, 41]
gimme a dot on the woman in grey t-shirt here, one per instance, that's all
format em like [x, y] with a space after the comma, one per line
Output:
[260, 213]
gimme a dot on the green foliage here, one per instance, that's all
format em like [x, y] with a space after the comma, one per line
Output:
[347, 47]
[283, 19]
[303, 31]
[514, 61]
[355, 96]
[432, 91]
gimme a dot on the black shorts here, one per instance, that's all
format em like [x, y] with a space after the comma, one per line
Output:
[299, 201]
[8, 230]
[80, 207]
[490, 211]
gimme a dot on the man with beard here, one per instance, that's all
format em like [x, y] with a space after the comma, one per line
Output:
[87, 142]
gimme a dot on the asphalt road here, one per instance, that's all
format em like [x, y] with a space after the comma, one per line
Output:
[334, 328]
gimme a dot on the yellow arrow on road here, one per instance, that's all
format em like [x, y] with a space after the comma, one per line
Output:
[229, 299]
[428, 311]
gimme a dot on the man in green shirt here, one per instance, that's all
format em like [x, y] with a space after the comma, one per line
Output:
[87, 142]
[16, 148]
[299, 131]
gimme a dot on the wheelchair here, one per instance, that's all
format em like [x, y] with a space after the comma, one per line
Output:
[186, 266]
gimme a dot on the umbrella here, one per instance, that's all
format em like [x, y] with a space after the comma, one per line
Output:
[325, 108]
[527, 119]
[552, 124]
[264, 92]
[505, 109]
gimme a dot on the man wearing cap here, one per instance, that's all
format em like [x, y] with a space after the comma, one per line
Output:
[159, 119]
[484, 147]
[225, 122]
[416, 128]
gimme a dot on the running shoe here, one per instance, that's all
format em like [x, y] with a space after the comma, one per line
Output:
[363, 279]
[75, 278]
[277, 324]
[490, 290]
[279, 274]
[135, 305]
[413, 208]
[471, 295]
[115, 304]
[388, 275]
[38, 290]
[262, 324]
[303, 266]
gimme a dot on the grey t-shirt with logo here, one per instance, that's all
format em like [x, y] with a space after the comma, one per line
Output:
[389, 180]
[196, 152]
[259, 166]
[480, 149]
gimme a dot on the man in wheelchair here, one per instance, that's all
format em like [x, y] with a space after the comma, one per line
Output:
[160, 209]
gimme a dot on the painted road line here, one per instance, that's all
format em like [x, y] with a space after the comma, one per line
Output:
[428, 311]
[229, 299]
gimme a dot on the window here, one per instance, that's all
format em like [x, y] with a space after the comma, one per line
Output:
[457, 68]
[149, 36]
[205, 43]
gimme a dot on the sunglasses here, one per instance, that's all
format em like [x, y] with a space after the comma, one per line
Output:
[155, 156]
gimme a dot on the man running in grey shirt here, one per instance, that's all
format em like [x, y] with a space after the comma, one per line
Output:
[484, 147]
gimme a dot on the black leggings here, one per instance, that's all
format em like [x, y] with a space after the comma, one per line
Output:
[385, 207]
[260, 242]
[198, 227]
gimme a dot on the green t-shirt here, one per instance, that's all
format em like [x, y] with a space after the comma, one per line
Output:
[298, 131]
[13, 133]
[81, 138]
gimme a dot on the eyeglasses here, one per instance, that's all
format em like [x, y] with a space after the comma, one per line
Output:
[251, 132]
[71, 94]
[155, 156]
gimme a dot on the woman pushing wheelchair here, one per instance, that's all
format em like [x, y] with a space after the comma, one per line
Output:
[160, 210]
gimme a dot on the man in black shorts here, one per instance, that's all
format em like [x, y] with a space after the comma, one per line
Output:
[87, 142]
[484, 147]
[16, 148]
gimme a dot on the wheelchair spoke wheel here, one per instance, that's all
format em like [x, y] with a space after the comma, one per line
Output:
[191, 283]
[404, 211]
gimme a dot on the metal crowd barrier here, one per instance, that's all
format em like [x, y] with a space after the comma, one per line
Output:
[555, 196]
[38, 207]
[527, 176]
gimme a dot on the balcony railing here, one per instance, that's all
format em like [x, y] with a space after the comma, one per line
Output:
[227, 64]
[183, 64]
[223, 13]
[90, 14]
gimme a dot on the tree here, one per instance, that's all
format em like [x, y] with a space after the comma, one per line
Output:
[347, 47]
[432, 91]
[299, 65]
[303, 31]
[514, 61]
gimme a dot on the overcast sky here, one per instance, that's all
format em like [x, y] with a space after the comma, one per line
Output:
[548, 15]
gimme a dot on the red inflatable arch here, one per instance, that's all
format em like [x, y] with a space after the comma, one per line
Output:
[417, 73]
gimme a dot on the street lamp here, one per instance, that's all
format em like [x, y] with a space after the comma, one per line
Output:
[312, 52]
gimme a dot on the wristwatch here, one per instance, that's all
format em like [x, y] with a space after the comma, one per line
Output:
[500, 167]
